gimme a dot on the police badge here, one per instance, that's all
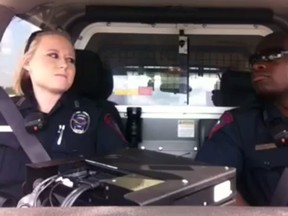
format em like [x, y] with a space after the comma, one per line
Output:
[79, 122]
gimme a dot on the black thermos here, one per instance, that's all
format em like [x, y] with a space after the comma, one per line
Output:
[134, 126]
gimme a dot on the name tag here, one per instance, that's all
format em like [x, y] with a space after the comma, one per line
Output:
[265, 146]
[5, 128]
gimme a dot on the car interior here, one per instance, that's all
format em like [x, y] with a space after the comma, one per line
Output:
[165, 70]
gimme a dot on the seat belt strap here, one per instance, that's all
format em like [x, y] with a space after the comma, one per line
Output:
[29, 143]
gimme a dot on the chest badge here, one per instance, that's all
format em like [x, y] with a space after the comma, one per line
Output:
[79, 122]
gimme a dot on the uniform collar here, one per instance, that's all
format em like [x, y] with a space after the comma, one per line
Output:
[28, 101]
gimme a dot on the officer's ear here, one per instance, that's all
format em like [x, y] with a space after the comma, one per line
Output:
[26, 62]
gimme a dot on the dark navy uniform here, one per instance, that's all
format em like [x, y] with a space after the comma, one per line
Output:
[242, 139]
[74, 128]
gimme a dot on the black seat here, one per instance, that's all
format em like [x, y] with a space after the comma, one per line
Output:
[204, 128]
[235, 90]
[94, 81]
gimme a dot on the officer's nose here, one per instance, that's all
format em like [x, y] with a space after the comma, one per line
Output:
[63, 63]
[259, 66]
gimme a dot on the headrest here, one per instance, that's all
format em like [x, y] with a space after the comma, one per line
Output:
[236, 89]
[92, 79]
[238, 81]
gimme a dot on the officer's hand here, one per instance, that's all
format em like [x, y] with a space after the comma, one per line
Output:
[240, 201]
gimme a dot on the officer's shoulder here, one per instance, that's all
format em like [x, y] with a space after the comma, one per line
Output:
[98, 103]
[87, 102]
[91, 105]
[246, 110]
[235, 116]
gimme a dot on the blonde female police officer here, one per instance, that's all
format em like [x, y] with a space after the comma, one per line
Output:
[72, 126]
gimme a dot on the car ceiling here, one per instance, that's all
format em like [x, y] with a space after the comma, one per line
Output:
[61, 12]
[279, 6]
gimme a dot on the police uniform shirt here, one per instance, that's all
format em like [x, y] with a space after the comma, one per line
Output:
[74, 127]
[242, 139]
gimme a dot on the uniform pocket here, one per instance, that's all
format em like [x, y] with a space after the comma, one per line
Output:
[269, 159]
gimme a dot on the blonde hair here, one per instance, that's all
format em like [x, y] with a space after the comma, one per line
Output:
[23, 84]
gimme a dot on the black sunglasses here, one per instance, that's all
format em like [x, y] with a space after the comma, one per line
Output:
[267, 56]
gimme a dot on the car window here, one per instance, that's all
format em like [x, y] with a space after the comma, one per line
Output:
[12, 46]
[148, 68]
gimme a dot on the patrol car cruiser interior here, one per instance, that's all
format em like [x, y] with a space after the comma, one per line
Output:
[130, 178]
[166, 70]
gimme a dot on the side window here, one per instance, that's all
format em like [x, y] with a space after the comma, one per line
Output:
[11, 49]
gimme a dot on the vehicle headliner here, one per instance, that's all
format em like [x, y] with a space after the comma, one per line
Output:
[280, 7]
[61, 12]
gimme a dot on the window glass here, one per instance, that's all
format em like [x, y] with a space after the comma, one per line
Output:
[12, 46]
[147, 68]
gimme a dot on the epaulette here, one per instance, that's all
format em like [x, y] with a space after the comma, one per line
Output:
[18, 100]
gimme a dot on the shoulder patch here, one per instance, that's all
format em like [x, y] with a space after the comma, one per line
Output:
[225, 119]
[18, 100]
[109, 120]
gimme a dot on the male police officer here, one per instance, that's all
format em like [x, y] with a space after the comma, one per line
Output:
[252, 139]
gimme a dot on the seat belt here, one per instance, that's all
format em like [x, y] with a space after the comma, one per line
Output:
[29, 143]
[280, 195]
